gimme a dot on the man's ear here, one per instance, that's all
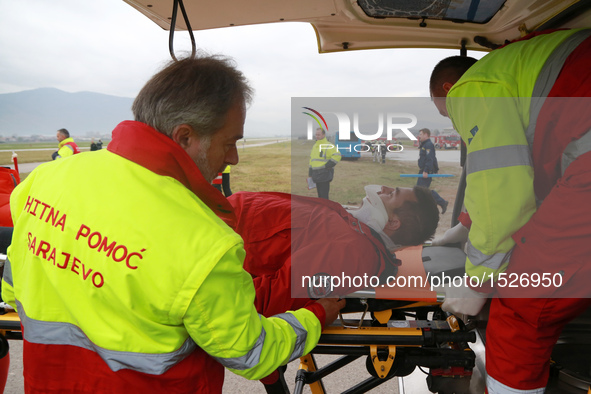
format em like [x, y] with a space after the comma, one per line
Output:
[392, 225]
[447, 86]
[184, 135]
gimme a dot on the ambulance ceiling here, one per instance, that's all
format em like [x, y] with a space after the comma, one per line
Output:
[368, 24]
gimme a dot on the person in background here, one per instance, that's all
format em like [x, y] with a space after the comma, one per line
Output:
[523, 112]
[66, 147]
[222, 182]
[323, 158]
[153, 297]
[93, 145]
[428, 165]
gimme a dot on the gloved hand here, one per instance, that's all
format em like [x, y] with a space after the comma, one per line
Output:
[461, 299]
[458, 233]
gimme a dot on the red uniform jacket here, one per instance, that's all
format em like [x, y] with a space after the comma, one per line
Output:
[289, 238]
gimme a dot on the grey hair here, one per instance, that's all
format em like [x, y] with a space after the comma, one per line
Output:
[195, 91]
[64, 132]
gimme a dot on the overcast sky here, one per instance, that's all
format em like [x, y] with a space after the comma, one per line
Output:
[108, 47]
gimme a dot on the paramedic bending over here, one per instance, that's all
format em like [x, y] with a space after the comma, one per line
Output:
[523, 198]
[152, 298]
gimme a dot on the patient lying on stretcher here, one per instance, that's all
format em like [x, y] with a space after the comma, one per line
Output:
[299, 248]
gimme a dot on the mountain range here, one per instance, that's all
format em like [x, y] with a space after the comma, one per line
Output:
[43, 111]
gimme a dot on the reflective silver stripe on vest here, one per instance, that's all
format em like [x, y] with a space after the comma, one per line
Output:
[301, 335]
[498, 157]
[250, 359]
[575, 149]
[57, 333]
[547, 78]
[493, 386]
[494, 261]
[7, 272]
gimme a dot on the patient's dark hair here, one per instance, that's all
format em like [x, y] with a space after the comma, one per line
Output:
[418, 219]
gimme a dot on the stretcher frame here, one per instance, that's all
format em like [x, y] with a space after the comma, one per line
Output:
[395, 352]
[406, 329]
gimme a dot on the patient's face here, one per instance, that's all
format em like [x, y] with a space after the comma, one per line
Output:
[394, 198]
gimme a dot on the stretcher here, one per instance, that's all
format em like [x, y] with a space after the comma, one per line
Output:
[405, 334]
[397, 330]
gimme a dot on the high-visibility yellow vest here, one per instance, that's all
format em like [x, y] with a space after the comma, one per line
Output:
[323, 152]
[490, 108]
[67, 148]
[139, 270]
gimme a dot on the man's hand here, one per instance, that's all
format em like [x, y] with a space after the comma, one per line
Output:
[458, 233]
[332, 306]
[425, 174]
[462, 299]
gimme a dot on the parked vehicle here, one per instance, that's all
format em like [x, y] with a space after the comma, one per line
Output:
[447, 141]
[350, 149]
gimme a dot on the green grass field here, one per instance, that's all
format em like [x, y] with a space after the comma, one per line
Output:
[283, 167]
[41, 151]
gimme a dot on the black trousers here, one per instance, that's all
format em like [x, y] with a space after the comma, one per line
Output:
[323, 188]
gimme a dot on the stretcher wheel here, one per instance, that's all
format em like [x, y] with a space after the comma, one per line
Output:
[448, 385]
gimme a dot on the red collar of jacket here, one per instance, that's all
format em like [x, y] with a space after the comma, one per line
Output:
[158, 153]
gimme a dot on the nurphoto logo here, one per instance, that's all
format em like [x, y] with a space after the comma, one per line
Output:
[345, 130]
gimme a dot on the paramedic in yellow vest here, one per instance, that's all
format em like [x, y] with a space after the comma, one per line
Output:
[153, 297]
[523, 112]
[323, 157]
[66, 147]
[222, 182]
